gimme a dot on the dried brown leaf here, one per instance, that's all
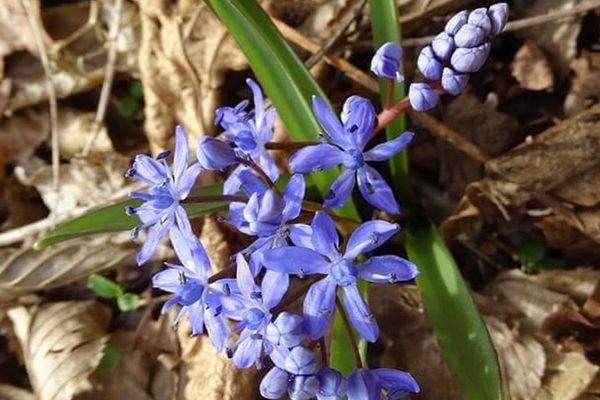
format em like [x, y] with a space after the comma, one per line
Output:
[26, 271]
[531, 68]
[184, 54]
[83, 182]
[131, 377]
[584, 89]
[23, 132]
[62, 344]
[8, 392]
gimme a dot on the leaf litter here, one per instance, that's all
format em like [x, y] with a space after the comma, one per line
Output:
[531, 110]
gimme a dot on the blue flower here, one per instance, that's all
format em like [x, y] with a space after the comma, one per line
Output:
[386, 62]
[267, 215]
[297, 374]
[214, 154]
[199, 300]
[250, 131]
[347, 140]
[168, 186]
[324, 257]
[258, 335]
[429, 65]
[380, 384]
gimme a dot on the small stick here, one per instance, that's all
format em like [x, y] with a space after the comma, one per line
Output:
[389, 95]
[350, 333]
[34, 24]
[109, 74]
[451, 136]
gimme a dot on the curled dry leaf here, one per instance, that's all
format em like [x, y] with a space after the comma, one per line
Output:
[26, 271]
[584, 90]
[62, 344]
[533, 170]
[532, 69]
[83, 182]
[184, 54]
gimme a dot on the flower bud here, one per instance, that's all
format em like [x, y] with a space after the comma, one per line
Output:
[301, 361]
[422, 97]
[469, 36]
[303, 387]
[456, 22]
[466, 60]
[479, 18]
[429, 66]
[498, 14]
[214, 154]
[453, 82]
[443, 46]
[275, 384]
[287, 330]
[386, 62]
[332, 385]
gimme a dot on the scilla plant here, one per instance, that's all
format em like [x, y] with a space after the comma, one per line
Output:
[244, 309]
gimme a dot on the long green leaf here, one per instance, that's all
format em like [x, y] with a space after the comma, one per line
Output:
[291, 87]
[459, 328]
[112, 218]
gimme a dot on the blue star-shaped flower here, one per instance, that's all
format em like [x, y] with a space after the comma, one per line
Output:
[250, 131]
[324, 257]
[347, 140]
[201, 301]
[252, 308]
[168, 186]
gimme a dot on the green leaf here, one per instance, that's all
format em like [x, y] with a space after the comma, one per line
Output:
[531, 252]
[459, 328]
[284, 77]
[128, 301]
[104, 287]
[113, 218]
[109, 360]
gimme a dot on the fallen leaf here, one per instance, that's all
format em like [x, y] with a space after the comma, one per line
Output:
[531, 68]
[83, 182]
[76, 128]
[8, 392]
[584, 90]
[26, 271]
[62, 344]
[23, 133]
[184, 55]
[131, 377]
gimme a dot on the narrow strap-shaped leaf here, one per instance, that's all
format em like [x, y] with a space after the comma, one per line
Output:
[459, 328]
[112, 218]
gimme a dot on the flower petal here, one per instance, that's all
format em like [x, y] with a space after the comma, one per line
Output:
[216, 327]
[274, 286]
[155, 234]
[187, 181]
[266, 162]
[298, 261]
[148, 170]
[376, 191]
[196, 317]
[333, 128]
[385, 151]
[315, 158]
[180, 158]
[359, 119]
[190, 252]
[318, 308]
[168, 280]
[300, 235]
[369, 236]
[340, 190]
[325, 238]
[244, 277]
[362, 384]
[387, 269]
[293, 197]
[259, 103]
[248, 352]
[397, 383]
[359, 313]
